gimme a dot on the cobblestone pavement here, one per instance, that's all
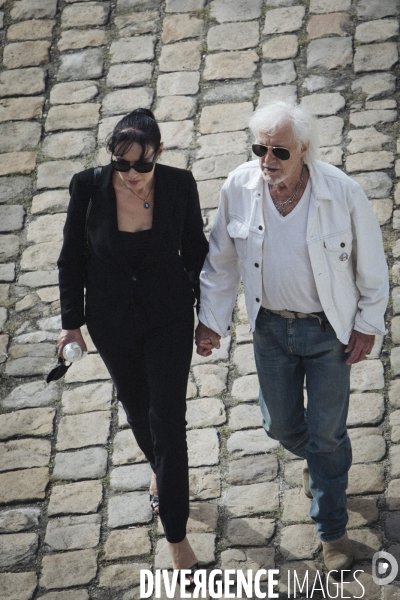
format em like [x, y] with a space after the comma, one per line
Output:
[75, 521]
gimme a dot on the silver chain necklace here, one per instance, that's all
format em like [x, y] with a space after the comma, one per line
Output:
[281, 206]
[144, 200]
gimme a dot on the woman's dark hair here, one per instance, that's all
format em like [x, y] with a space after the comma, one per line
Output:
[138, 127]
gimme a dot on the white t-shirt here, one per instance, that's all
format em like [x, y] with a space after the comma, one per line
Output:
[288, 281]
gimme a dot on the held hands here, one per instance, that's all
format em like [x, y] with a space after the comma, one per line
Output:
[67, 336]
[360, 344]
[206, 339]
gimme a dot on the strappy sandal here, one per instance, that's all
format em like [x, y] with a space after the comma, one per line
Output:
[154, 503]
[193, 570]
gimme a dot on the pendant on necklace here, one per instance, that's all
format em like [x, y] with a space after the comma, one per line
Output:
[146, 205]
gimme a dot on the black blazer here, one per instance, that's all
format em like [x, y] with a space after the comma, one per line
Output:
[177, 252]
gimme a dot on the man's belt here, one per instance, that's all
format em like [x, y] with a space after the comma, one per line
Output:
[288, 314]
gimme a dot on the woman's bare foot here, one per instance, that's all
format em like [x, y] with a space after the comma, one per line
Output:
[182, 555]
[154, 494]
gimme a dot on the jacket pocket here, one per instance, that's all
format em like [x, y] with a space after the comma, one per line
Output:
[239, 232]
[339, 248]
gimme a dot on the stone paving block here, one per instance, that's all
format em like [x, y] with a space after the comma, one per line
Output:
[376, 31]
[245, 559]
[21, 109]
[332, 155]
[75, 39]
[330, 53]
[284, 20]
[69, 144]
[19, 135]
[246, 389]
[394, 421]
[392, 526]
[209, 192]
[131, 478]
[375, 185]
[40, 256]
[183, 56]
[87, 64]
[73, 92]
[369, 161]
[244, 416]
[11, 218]
[23, 454]
[84, 14]
[180, 83]
[32, 421]
[125, 5]
[232, 142]
[72, 533]
[133, 49]
[368, 444]
[299, 542]
[278, 72]
[92, 368]
[4, 340]
[3, 311]
[203, 447]
[393, 495]
[366, 376]
[374, 85]
[17, 586]
[55, 201]
[394, 459]
[15, 188]
[281, 47]
[87, 398]
[252, 469]
[47, 228]
[211, 379]
[333, 24]
[383, 210]
[296, 506]
[204, 483]
[17, 548]
[23, 486]
[67, 595]
[323, 104]
[19, 519]
[175, 108]
[378, 57]
[17, 162]
[219, 166]
[395, 357]
[33, 9]
[30, 395]
[129, 74]
[203, 545]
[175, 158]
[74, 116]
[372, 117]
[251, 441]
[68, 569]
[173, 6]
[229, 92]
[90, 463]
[287, 93]
[203, 517]
[230, 65]
[137, 23]
[180, 27]
[242, 500]
[205, 412]
[30, 30]
[365, 409]
[26, 303]
[39, 278]
[75, 498]
[126, 449]
[127, 509]
[302, 576]
[121, 576]
[365, 543]
[87, 429]
[176, 134]
[313, 83]
[7, 273]
[325, 6]
[249, 532]
[233, 36]
[26, 54]
[243, 357]
[235, 10]
[366, 140]
[22, 82]
[373, 9]
[366, 479]
[124, 543]
[362, 511]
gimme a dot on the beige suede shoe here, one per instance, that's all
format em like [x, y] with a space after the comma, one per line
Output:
[306, 480]
[338, 554]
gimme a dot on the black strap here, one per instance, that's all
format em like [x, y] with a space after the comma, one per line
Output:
[96, 177]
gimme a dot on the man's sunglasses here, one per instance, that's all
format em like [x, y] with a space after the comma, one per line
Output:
[141, 166]
[281, 153]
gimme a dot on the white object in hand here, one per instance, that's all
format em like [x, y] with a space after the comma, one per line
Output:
[73, 352]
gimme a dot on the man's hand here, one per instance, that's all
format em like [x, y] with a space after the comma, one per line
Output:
[206, 339]
[360, 344]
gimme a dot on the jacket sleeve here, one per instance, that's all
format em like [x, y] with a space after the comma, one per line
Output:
[220, 277]
[194, 246]
[72, 259]
[371, 269]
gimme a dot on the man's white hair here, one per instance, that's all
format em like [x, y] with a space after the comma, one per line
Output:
[271, 117]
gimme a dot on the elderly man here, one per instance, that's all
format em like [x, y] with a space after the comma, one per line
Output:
[306, 242]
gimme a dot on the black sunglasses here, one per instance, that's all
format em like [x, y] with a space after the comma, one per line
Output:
[141, 166]
[261, 150]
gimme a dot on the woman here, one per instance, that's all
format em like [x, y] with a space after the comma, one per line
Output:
[134, 237]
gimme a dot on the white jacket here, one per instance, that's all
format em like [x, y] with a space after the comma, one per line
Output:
[353, 292]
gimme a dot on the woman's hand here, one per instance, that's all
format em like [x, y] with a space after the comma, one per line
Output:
[67, 336]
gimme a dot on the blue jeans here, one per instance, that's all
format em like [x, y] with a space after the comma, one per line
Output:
[286, 352]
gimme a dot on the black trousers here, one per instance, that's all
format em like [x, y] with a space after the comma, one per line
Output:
[149, 367]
